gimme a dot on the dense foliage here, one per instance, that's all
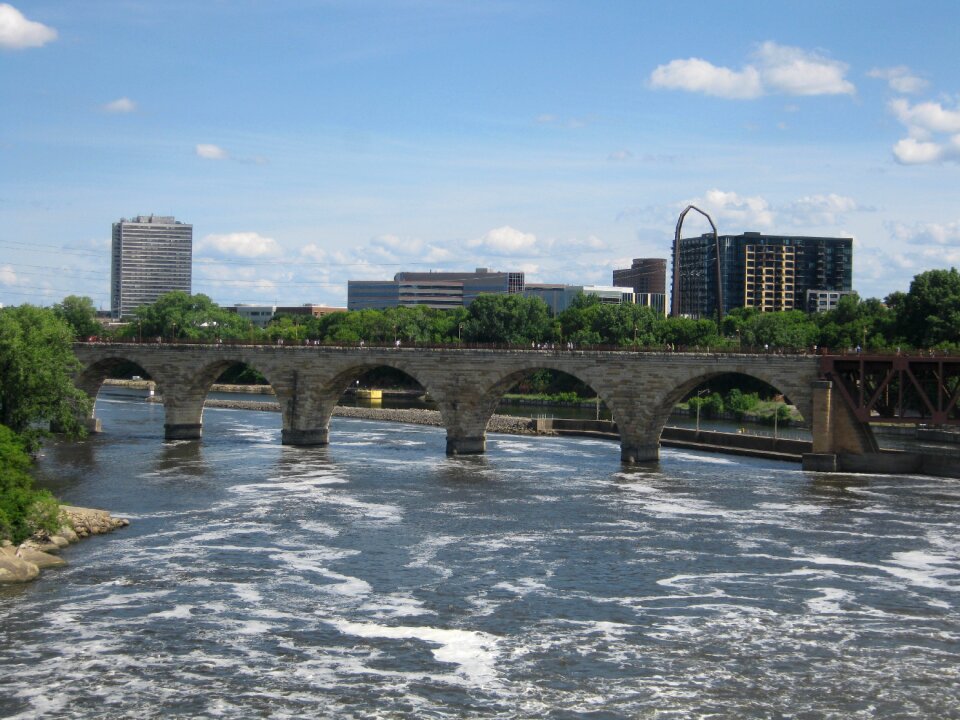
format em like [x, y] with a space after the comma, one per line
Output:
[23, 509]
[36, 366]
[36, 390]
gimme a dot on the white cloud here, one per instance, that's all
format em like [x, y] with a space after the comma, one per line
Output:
[794, 71]
[777, 69]
[120, 105]
[926, 233]
[211, 152]
[744, 212]
[242, 244]
[900, 79]
[17, 33]
[696, 75]
[506, 241]
[915, 152]
[930, 116]
[926, 124]
[620, 155]
[313, 252]
[7, 275]
[821, 209]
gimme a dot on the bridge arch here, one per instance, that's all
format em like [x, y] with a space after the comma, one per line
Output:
[190, 398]
[91, 377]
[319, 394]
[661, 404]
[472, 418]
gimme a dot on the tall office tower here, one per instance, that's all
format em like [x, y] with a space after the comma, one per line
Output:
[152, 255]
[769, 272]
[645, 275]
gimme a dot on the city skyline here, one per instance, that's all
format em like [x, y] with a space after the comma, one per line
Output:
[355, 140]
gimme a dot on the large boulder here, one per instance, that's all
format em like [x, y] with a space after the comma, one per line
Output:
[14, 569]
[40, 559]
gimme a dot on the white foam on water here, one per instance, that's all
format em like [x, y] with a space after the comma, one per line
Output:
[683, 456]
[829, 602]
[921, 570]
[522, 586]
[180, 612]
[247, 592]
[394, 605]
[319, 528]
[475, 653]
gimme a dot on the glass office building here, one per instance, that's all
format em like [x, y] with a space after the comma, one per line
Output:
[151, 255]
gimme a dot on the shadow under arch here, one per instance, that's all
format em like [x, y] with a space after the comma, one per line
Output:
[334, 387]
[90, 379]
[493, 394]
[662, 407]
[207, 375]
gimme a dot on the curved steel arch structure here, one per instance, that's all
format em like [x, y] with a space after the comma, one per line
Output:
[675, 288]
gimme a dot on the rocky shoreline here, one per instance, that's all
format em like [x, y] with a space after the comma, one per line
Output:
[24, 562]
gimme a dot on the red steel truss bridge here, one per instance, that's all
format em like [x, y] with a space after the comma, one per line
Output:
[897, 388]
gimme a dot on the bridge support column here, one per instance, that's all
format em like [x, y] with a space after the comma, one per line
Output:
[466, 445]
[631, 452]
[836, 430]
[183, 431]
[305, 438]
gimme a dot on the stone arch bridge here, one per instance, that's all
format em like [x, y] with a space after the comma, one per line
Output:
[639, 388]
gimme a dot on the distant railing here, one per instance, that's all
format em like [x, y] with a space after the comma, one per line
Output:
[554, 347]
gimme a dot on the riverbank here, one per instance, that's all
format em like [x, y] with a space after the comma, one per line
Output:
[24, 562]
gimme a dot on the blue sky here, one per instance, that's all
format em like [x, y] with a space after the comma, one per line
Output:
[313, 142]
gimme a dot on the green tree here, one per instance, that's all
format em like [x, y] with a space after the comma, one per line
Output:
[23, 509]
[80, 314]
[929, 314]
[36, 367]
[195, 317]
[511, 319]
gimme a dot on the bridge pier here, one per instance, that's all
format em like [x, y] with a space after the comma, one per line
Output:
[305, 437]
[639, 452]
[183, 431]
[466, 445]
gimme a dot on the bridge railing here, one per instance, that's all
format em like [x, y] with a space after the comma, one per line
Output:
[557, 347]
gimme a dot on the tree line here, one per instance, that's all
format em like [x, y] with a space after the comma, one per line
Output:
[925, 317]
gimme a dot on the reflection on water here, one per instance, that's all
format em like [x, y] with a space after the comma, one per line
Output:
[378, 578]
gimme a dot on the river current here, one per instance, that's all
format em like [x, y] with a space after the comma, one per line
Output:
[378, 578]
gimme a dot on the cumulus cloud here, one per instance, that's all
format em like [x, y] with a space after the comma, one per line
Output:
[120, 105]
[745, 212]
[17, 33]
[7, 275]
[900, 79]
[241, 244]
[821, 209]
[926, 233]
[211, 152]
[505, 241]
[933, 133]
[696, 75]
[775, 69]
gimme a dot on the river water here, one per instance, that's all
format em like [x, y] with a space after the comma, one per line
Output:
[377, 578]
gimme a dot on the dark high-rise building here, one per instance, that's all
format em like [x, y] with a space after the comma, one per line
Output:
[645, 275]
[768, 272]
[151, 255]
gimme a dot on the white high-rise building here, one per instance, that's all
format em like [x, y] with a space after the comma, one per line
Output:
[152, 255]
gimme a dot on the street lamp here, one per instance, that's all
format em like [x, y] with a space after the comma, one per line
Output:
[173, 335]
[700, 393]
[634, 336]
[459, 332]
[139, 332]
